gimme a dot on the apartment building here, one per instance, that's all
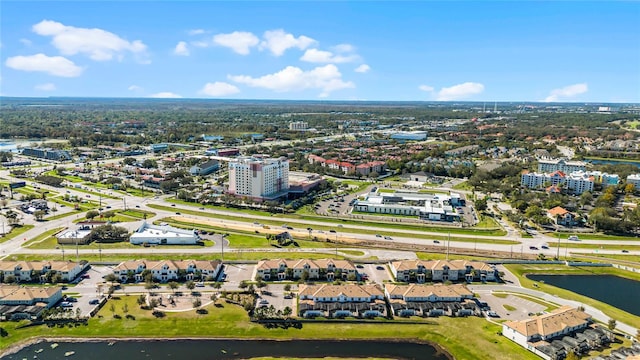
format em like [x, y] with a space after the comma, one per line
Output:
[341, 300]
[566, 166]
[321, 269]
[635, 180]
[575, 182]
[430, 300]
[26, 271]
[442, 270]
[259, 178]
[167, 270]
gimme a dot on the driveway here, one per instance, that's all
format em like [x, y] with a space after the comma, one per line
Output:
[375, 275]
[522, 307]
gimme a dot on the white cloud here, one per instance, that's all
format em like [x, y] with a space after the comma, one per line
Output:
[278, 41]
[219, 88]
[326, 78]
[165, 95]
[363, 68]
[98, 44]
[196, 32]
[45, 87]
[567, 92]
[181, 49]
[134, 88]
[200, 44]
[320, 56]
[239, 41]
[460, 91]
[53, 65]
[25, 42]
[344, 48]
[426, 88]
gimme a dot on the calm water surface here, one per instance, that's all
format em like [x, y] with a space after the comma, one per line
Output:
[613, 290]
[228, 349]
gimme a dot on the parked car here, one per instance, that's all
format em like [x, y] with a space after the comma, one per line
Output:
[493, 314]
[545, 247]
[200, 284]
[379, 267]
[66, 304]
[533, 248]
[94, 302]
[359, 266]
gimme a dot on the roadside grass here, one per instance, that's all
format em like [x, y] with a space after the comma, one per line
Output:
[610, 258]
[247, 239]
[578, 245]
[15, 232]
[522, 270]
[443, 256]
[595, 237]
[42, 237]
[496, 231]
[463, 186]
[156, 255]
[231, 321]
[138, 214]
[61, 216]
[96, 194]
[500, 295]
[346, 230]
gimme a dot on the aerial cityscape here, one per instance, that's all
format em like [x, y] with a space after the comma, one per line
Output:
[320, 180]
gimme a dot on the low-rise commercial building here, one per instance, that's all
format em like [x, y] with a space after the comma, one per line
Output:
[163, 235]
[432, 207]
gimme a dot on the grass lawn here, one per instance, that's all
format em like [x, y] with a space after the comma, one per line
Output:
[578, 245]
[47, 235]
[230, 321]
[60, 216]
[612, 258]
[443, 256]
[15, 232]
[595, 237]
[248, 255]
[522, 270]
[138, 214]
[509, 307]
[345, 230]
[463, 186]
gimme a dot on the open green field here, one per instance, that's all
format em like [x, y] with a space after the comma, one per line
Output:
[345, 230]
[158, 255]
[522, 270]
[230, 321]
[45, 236]
[627, 259]
[310, 215]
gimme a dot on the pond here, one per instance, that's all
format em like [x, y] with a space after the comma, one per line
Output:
[613, 290]
[228, 349]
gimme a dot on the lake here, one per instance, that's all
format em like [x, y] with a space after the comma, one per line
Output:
[613, 290]
[229, 349]
[613, 162]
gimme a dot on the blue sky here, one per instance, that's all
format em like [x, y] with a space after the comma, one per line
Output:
[478, 51]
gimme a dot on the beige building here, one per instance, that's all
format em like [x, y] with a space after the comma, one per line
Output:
[21, 302]
[442, 270]
[321, 269]
[430, 300]
[37, 270]
[167, 270]
[259, 178]
[341, 300]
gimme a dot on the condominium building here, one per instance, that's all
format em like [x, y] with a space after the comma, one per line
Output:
[551, 165]
[259, 178]
[38, 270]
[442, 270]
[49, 154]
[322, 269]
[298, 125]
[167, 270]
[576, 182]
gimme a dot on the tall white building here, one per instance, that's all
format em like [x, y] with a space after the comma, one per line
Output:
[298, 125]
[259, 178]
[567, 167]
[575, 182]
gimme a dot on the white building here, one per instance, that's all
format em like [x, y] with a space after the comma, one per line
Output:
[635, 180]
[167, 270]
[259, 178]
[410, 135]
[164, 235]
[31, 270]
[576, 182]
[540, 330]
[434, 207]
[298, 125]
[551, 165]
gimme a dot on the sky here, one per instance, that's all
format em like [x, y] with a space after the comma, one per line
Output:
[529, 51]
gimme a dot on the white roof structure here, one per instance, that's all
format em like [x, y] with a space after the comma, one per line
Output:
[163, 234]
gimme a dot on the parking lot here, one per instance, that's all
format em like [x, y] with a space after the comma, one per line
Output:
[522, 306]
[235, 273]
[376, 275]
[274, 295]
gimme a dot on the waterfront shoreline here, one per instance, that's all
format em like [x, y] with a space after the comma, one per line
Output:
[15, 348]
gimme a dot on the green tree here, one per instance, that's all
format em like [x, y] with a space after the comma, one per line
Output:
[612, 324]
[173, 285]
[91, 214]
